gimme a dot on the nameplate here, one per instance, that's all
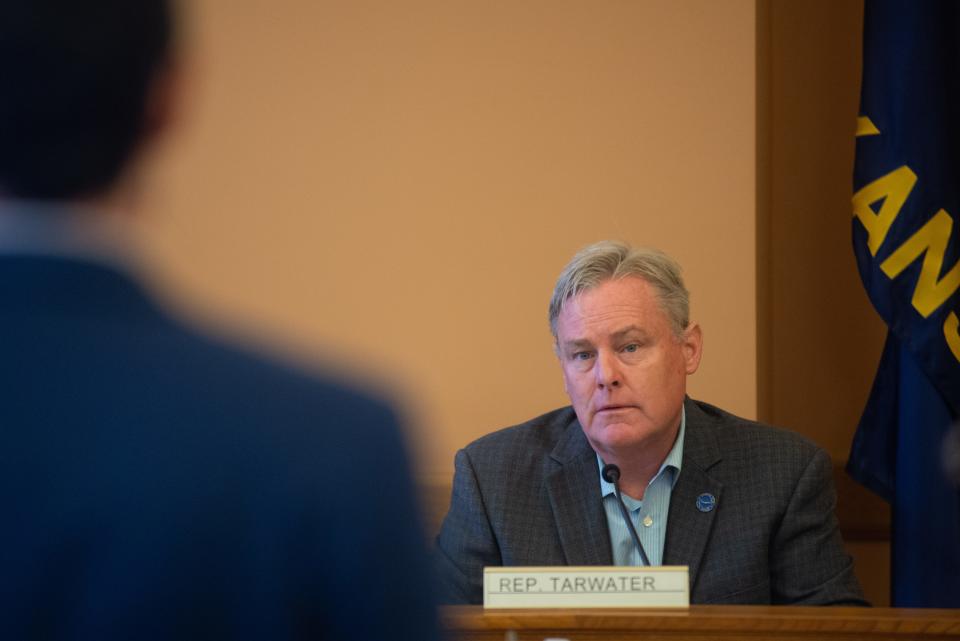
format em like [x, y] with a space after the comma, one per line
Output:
[586, 587]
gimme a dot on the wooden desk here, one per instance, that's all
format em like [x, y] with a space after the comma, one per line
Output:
[702, 623]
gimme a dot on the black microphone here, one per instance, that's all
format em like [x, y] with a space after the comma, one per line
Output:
[611, 474]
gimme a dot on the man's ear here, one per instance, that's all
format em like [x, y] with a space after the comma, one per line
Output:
[692, 345]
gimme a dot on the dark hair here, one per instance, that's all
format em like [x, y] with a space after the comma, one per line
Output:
[74, 78]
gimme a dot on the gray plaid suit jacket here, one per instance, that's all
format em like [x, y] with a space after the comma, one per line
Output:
[530, 495]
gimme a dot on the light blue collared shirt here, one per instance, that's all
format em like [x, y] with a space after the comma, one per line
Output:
[649, 515]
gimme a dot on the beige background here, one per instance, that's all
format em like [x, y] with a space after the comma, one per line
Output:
[399, 184]
[395, 185]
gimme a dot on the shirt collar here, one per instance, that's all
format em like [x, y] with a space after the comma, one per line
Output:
[57, 229]
[671, 463]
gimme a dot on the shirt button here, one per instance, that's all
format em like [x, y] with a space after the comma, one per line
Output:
[647, 521]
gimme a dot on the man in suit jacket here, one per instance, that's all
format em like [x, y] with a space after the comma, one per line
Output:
[156, 482]
[747, 507]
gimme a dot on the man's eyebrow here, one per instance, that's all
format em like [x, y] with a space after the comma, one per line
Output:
[577, 343]
[629, 330]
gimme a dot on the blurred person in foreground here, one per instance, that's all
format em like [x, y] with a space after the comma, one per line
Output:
[155, 482]
[749, 508]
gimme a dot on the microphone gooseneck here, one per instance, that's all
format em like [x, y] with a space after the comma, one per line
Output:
[611, 474]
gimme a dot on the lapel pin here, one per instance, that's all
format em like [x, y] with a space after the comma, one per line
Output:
[706, 502]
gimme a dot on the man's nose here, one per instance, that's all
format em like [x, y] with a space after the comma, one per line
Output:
[608, 371]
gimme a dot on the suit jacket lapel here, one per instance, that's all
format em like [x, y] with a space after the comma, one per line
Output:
[688, 528]
[574, 489]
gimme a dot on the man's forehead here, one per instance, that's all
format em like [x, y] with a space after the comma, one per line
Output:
[611, 307]
[626, 295]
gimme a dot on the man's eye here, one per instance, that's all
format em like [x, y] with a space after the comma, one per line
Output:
[581, 356]
[631, 348]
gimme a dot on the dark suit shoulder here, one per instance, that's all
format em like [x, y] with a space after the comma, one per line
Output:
[66, 310]
[241, 367]
[736, 431]
[527, 442]
[748, 454]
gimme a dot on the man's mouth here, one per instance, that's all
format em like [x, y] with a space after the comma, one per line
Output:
[613, 408]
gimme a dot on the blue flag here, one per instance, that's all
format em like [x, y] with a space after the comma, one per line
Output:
[906, 237]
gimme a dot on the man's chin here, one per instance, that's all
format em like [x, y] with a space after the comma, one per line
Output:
[613, 435]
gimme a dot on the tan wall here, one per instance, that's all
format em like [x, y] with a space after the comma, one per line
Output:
[826, 336]
[822, 339]
[399, 183]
